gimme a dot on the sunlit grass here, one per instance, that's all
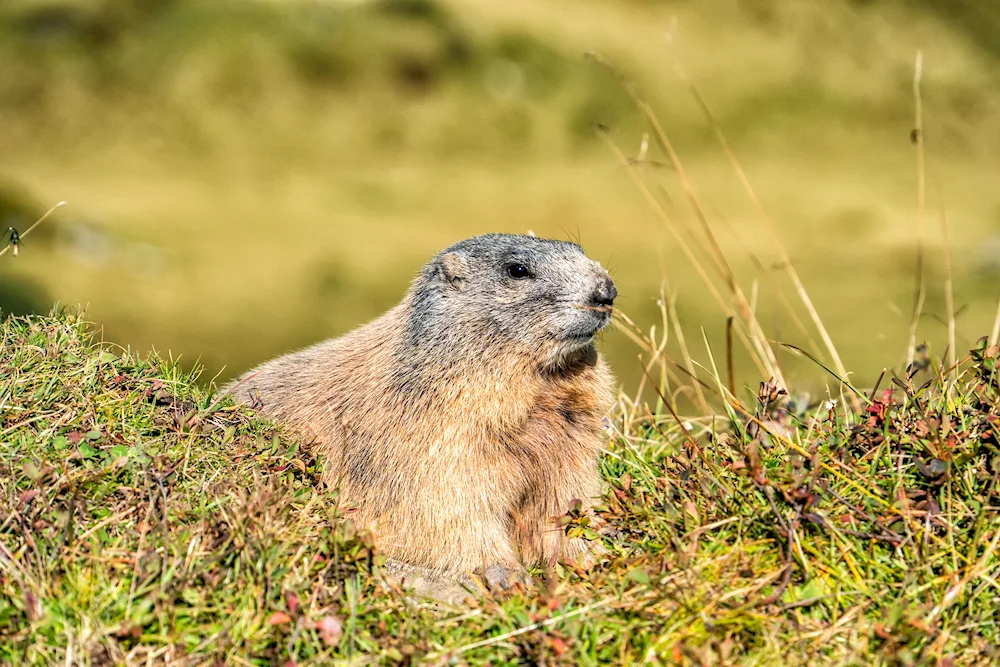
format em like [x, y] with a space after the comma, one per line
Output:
[141, 518]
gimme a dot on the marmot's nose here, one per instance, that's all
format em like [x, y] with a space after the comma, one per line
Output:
[605, 293]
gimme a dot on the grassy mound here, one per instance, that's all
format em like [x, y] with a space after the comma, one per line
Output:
[141, 519]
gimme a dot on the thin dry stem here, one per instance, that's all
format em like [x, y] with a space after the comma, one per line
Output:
[918, 138]
[754, 347]
[769, 224]
[762, 271]
[949, 296]
[760, 340]
[716, 253]
[646, 344]
[671, 303]
[995, 332]
[534, 626]
[32, 228]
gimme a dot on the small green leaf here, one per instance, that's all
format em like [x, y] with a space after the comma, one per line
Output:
[31, 471]
[638, 576]
[191, 596]
[87, 451]
[119, 451]
[811, 589]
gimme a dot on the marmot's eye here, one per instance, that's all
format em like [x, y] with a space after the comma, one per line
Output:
[518, 271]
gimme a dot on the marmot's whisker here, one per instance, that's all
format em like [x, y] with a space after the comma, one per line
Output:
[599, 309]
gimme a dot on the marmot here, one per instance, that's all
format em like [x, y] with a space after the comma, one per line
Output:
[466, 418]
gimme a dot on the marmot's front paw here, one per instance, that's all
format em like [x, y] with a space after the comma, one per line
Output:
[501, 577]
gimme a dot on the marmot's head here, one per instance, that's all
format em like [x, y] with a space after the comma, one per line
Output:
[544, 298]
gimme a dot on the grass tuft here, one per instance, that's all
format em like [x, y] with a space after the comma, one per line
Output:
[142, 519]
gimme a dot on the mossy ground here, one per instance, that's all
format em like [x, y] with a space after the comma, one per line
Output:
[143, 519]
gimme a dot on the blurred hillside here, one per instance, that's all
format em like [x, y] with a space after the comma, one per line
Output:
[249, 176]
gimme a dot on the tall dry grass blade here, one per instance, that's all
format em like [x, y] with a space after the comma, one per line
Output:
[716, 253]
[730, 375]
[763, 272]
[718, 258]
[671, 303]
[995, 332]
[919, 293]
[729, 400]
[769, 224]
[647, 345]
[656, 358]
[949, 296]
[752, 343]
[31, 229]
[666, 328]
[630, 417]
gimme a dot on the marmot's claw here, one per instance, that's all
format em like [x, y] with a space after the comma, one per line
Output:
[501, 577]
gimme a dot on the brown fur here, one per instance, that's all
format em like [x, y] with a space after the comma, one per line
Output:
[458, 464]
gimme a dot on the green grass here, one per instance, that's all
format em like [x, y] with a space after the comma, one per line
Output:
[141, 518]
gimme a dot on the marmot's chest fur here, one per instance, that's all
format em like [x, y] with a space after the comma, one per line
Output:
[461, 422]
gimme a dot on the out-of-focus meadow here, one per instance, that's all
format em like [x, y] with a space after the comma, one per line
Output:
[245, 177]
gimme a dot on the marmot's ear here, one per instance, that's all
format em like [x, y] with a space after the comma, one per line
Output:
[453, 268]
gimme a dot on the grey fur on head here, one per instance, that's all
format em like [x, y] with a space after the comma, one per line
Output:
[545, 296]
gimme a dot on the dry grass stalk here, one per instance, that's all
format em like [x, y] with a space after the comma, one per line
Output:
[918, 138]
[751, 343]
[995, 331]
[769, 225]
[949, 296]
[671, 304]
[13, 245]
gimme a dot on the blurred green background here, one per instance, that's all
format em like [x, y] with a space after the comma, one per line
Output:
[249, 176]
